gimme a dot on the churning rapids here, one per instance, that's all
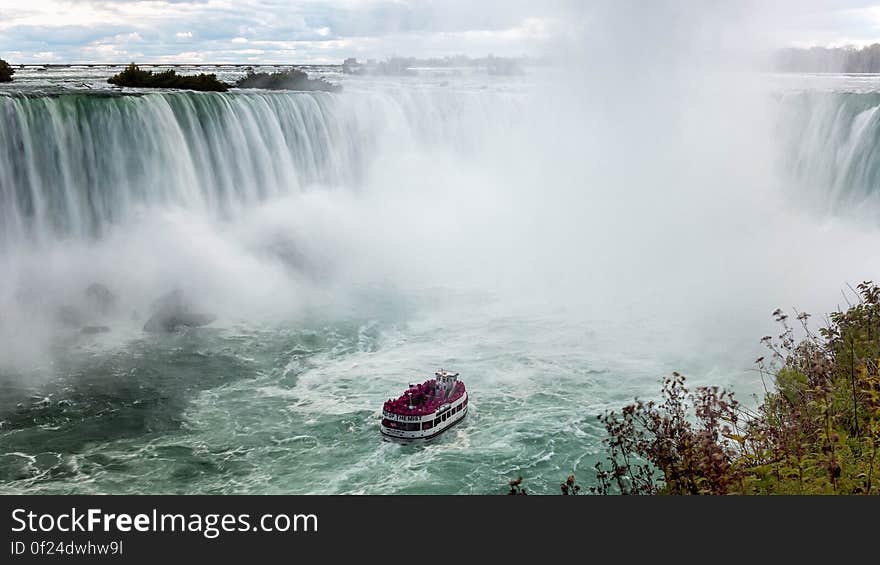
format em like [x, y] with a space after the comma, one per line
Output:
[559, 242]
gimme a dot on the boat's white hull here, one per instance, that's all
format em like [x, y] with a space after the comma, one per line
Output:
[424, 435]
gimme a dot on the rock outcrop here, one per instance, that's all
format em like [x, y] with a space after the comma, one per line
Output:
[174, 311]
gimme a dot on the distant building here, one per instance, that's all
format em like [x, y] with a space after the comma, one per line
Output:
[351, 66]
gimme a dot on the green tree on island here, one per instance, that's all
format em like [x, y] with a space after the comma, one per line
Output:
[6, 71]
[293, 79]
[133, 76]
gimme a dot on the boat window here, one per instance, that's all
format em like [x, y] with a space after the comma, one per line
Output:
[401, 426]
[427, 425]
[444, 416]
[437, 422]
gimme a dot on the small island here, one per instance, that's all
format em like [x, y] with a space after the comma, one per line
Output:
[133, 76]
[293, 79]
[6, 71]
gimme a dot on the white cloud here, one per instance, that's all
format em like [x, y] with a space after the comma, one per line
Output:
[329, 30]
[313, 30]
[133, 37]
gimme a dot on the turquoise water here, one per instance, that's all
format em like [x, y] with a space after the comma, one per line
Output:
[283, 410]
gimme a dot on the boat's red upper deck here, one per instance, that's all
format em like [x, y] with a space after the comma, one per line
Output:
[426, 399]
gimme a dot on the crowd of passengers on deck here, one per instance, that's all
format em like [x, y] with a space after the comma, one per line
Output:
[424, 398]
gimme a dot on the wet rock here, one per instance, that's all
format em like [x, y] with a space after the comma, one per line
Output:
[173, 311]
[99, 302]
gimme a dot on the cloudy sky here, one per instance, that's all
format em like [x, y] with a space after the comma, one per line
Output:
[282, 31]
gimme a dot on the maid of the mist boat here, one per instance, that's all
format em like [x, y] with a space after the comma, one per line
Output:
[425, 410]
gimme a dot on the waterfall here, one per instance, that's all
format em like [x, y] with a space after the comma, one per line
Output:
[831, 150]
[73, 164]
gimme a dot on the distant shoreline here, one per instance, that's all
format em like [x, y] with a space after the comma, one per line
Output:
[219, 65]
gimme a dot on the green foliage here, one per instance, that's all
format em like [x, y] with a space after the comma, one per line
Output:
[133, 76]
[687, 438]
[569, 487]
[6, 71]
[791, 384]
[816, 432]
[293, 79]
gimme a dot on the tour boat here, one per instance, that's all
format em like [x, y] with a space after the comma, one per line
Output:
[425, 410]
